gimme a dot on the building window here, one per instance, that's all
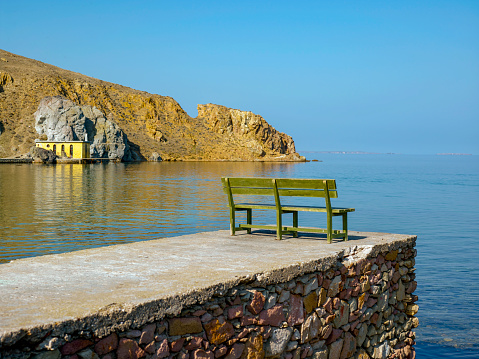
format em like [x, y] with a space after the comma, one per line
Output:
[55, 149]
[48, 145]
[71, 150]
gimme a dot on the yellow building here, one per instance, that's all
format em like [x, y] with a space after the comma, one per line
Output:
[67, 149]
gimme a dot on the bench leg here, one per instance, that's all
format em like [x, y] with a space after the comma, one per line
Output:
[345, 226]
[330, 227]
[249, 219]
[279, 225]
[232, 222]
[295, 223]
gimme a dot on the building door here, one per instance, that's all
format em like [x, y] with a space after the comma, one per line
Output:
[71, 150]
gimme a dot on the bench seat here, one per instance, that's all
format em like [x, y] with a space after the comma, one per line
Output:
[334, 210]
[291, 208]
[255, 206]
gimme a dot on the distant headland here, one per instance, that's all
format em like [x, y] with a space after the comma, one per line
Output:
[454, 154]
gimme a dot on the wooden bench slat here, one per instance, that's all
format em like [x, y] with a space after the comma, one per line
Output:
[255, 206]
[316, 209]
[251, 182]
[335, 232]
[305, 183]
[306, 193]
[252, 191]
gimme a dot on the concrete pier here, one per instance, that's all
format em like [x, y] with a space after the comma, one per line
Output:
[155, 279]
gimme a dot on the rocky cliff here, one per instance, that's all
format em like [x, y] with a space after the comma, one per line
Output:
[246, 128]
[152, 123]
[60, 119]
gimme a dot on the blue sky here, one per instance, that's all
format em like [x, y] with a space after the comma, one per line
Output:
[375, 76]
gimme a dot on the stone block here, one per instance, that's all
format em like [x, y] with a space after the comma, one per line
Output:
[248, 320]
[321, 354]
[218, 332]
[278, 341]
[273, 316]
[163, 349]
[129, 349]
[194, 343]
[75, 346]
[236, 351]
[53, 354]
[335, 287]
[271, 301]
[176, 345]
[107, 344]
[254, 347]
[411, 287]
[326, 331]
[87, 354]
[133, 334]
[362, 354]
[328, 306]
[185, 325]
[335, 334]
[335, 349]
[322, 295]
[296, 313]
[235, 312]
[412, 309]
[311, 285]
[202, 354]
[363, 330]
[310, 302]
[257, 303]
[383, 301]
[349, 346]
[284, 296]
[381, 351]
[341, 315]
[148, 334]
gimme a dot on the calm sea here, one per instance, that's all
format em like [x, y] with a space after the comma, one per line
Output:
[58, 208]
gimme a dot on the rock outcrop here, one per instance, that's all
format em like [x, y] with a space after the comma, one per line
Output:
[61, 120]
[152, 123]
[243, 126]
[42, 155]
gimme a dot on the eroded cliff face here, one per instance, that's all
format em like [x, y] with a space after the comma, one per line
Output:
[245, 127]
[152, 123]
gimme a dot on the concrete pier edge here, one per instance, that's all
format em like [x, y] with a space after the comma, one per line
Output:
[300, 256]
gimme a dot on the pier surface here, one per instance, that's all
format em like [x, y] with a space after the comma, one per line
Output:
[56, 288]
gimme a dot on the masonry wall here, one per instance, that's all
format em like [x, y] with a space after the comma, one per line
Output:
[359, 304]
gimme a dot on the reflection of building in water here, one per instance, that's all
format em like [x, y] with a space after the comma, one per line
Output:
[59, 191]
[70, 149]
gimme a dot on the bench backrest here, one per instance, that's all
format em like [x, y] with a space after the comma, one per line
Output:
[307, 187]
[280, 187]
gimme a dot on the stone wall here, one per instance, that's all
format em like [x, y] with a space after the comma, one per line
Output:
[358, 304]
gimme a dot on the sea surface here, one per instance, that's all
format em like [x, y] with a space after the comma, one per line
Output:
[47, 209]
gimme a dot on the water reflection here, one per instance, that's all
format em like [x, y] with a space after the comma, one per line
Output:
[52, 209]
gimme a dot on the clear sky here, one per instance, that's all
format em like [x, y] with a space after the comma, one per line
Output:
[375, 76]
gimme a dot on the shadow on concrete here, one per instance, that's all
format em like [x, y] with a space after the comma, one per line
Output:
[305, 235]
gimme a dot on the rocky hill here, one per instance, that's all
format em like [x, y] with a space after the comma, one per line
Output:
[151, 123]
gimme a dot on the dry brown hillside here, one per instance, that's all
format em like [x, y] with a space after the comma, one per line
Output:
[153, 123]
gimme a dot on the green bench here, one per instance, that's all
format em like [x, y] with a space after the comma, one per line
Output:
[277, 189]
